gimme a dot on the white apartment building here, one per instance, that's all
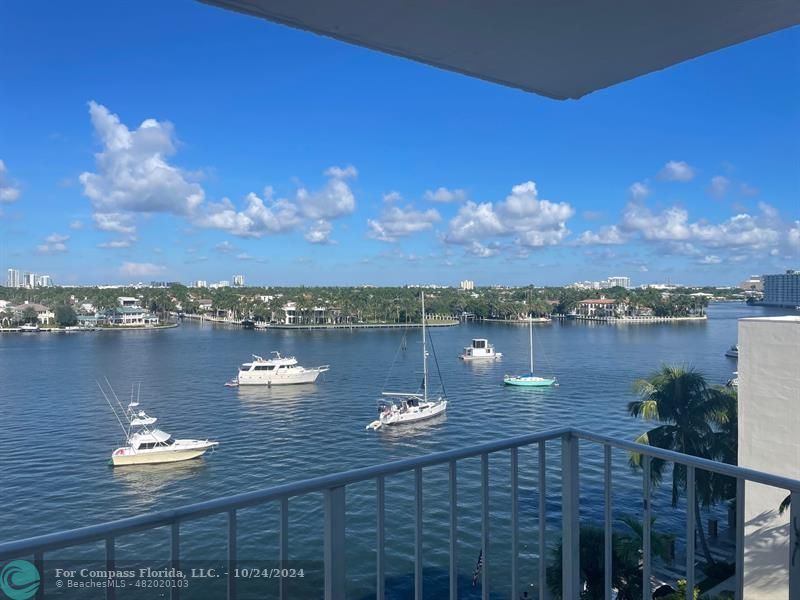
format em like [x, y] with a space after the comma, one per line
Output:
[467, 285]
[238, 281]
[624, 282]
[769, 422]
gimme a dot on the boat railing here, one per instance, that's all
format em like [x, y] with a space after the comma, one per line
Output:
[333, 488]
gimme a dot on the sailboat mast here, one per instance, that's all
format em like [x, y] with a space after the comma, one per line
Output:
[424, 353]
[530, 335]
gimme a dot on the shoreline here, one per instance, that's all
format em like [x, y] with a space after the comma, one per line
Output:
[88, 329]
[632, 320]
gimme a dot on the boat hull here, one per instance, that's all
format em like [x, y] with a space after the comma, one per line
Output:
[154, 458]
[410, 416]
[494, 356]
[256, 378]
[529, 381]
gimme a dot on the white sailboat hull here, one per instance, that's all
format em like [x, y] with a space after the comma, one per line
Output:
[411, 415]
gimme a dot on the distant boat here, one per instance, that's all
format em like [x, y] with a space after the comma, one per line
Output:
[529, 379]
[29, 328]
[410, 407]
[733, 351]
[734, 381]
[148, 445]
[280, 370]
[480, 349]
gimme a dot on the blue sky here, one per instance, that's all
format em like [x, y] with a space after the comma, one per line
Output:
[176, 141]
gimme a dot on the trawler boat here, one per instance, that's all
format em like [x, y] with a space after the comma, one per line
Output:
[480, 349]
[529, 379]
[279, 370]
[397, 408]
[733, 351]
[148, 445]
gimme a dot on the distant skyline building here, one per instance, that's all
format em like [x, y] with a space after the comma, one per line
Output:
[24, 279]
[754, 284]
[200, 283]
[238, 281]
[467, 285]
[624, 282]
[782, 289]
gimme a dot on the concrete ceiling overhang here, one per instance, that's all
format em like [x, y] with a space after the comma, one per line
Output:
[557, 48]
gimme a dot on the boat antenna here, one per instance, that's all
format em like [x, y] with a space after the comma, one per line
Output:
[424, 353]
[108, 383]
[125, 431]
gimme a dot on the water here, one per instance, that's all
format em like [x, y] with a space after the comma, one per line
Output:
[58, 432]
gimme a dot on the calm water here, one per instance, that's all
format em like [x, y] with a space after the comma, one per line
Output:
[58, 431]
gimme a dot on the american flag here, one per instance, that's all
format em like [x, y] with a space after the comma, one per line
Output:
[478, 566]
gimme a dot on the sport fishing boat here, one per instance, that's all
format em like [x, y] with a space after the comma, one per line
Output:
[480, 349]
[733, 351]
[396, 408]
[279, 370]
[148, 445]
[529, 379]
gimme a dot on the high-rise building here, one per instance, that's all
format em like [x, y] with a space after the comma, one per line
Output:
[44, 281]
[238, 281]
[467, 284]
[200, 283]
[14, 278]
[624, 282]
[782, 289]
[753, 284]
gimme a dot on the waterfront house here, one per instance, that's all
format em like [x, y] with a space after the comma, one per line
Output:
[601, 307]
[131, 316]
[204, 304]
[44, 315]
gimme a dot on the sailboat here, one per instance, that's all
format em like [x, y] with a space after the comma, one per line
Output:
[529, 379]
[396, 408]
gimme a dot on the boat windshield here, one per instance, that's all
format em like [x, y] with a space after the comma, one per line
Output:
[245, 367]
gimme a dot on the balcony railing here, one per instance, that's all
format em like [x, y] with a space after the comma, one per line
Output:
[333, 489]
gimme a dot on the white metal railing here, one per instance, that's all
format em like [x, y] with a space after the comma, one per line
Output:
[333, 489]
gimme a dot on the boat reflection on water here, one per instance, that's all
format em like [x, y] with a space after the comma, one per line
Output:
[150, 484]
[284, 393]
[413, 432]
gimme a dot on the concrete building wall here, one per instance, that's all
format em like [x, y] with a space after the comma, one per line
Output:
[769, 440]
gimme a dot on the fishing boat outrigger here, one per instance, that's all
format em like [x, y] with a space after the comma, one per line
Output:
[147, 444]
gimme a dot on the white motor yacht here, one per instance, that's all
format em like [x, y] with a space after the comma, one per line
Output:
[279, 370]
[480, 349]
[397, 408]
[29, 328]
[733, 351]
[148, 445]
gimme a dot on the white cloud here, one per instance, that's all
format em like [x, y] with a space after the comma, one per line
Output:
[9, 189]
[335, 199]
[133, 269]
[319, 232]
[677, 170]
[534, 222]
[392, 196]
[243, 256]
[793, 235]
[711, 259]
[76, 224]
[54, 243]
[113, 244]
[341, 172]
[255, 221]
[442, 194]
[482, 250]
[719, 186]
[225, 247]
[639, 190]
[116, 222]
[133, 174]
[605, 236]
[396, 222]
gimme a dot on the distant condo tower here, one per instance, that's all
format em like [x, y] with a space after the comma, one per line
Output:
[238, 281]
[467, 284]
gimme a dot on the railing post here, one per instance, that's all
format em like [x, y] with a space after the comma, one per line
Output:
[231, 583]
[111, 591]
[542, 519]
[608, 535]
[740, 506]
[453, 489]
[794, 546]
[690, 532]
[175, 556]
[418, 533]
[284, 547]
[570, 518]
[514, 523]
[485, 525]
[647, 592]
[334, 543]
[380, 541]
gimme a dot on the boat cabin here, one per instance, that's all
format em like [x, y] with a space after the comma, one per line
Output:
[147, 440]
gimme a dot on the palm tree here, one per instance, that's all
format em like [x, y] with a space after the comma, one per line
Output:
[691, 413]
